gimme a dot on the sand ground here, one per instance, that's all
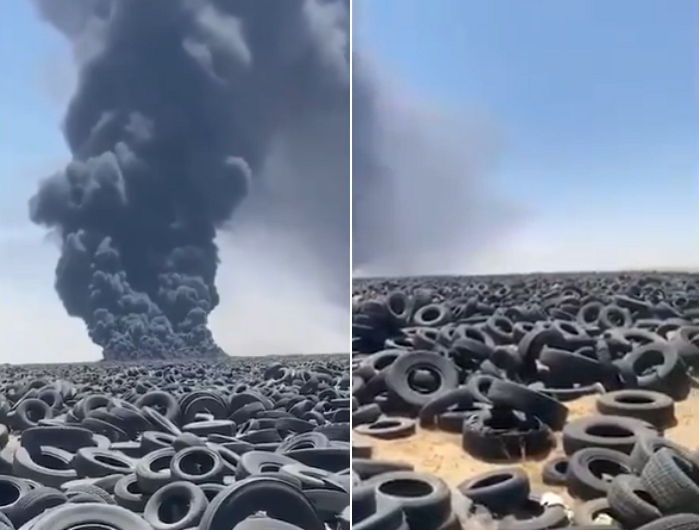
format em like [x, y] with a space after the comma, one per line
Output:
[440, 453]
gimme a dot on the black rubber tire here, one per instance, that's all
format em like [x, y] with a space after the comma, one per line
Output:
[366, 414]
[24, 465]
[388, 428]
[659, 367]
[34, 503]
[462, 397]
[632, 503]
[277, 498]
[672, 480]
[611, 432]
[73, 516]
[555, 471]
[505, 435]
[497, 490]
[647, 445]
[197, 465]
[153, 470]
[567, 368]
[183, 502]
[656, 408]
[13, 489]
[398, 379]
[425, 499]
[508, 394]
[64, 437]
[679, 521]
[128, 494]
[367, 468]
[363, 502]
[586, 468]
[388, 516]
[541, 517]
[21, 418]
[94, 462]
[585, 513]
[92, 490]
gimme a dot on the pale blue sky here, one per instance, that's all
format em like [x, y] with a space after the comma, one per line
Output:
[597, 106]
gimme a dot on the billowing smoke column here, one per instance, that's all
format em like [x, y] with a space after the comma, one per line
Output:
[177, 105]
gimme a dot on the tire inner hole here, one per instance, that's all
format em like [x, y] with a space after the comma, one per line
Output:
[424, 380]
[406, 488]
[609, 431]
[606, 469]
[173, 509]
[197, 463]
[9, 493]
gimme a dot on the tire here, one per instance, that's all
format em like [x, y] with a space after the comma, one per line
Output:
[505, 435]
[425, 499]
[398, 381]
[646, 446]
[177, 506]
[197, 465]
[363, 502]
[568, 368]
[94, 462]
[461, 397]
[65, 437]
[555, 471]
[549, 411]
[388, 428]
[532, 515]
[632, 503]
[586, 467]
[12, 489]
[127, 494]
[34, 503]
[25, 466]
[584, 514]
[497, 490]
[655, 408]
[672, 481]
[611, 432]
[680, 521]
[366, 414]
[275, 497]
[153, 470]
[92, 490]
[73, 516]
[367, 468]
[659, 367]
[26, 412]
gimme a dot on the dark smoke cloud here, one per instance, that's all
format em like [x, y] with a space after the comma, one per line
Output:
[179, 104]
[421, 197]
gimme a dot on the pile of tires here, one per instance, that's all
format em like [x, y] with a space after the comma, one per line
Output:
[242, 444]
[497, 359]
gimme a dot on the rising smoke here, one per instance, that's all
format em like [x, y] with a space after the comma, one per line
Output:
[180, 106]
[421, 201]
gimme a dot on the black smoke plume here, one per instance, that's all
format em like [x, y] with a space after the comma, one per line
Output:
[420, 182]
[178, 103]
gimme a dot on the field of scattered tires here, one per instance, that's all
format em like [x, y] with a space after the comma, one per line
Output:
[244, 443]
[526, 402]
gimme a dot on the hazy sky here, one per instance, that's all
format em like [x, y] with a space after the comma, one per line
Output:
[596, 108]
[267, 306]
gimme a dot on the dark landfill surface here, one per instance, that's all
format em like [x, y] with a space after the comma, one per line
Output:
[493, 373]
[244, 444]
